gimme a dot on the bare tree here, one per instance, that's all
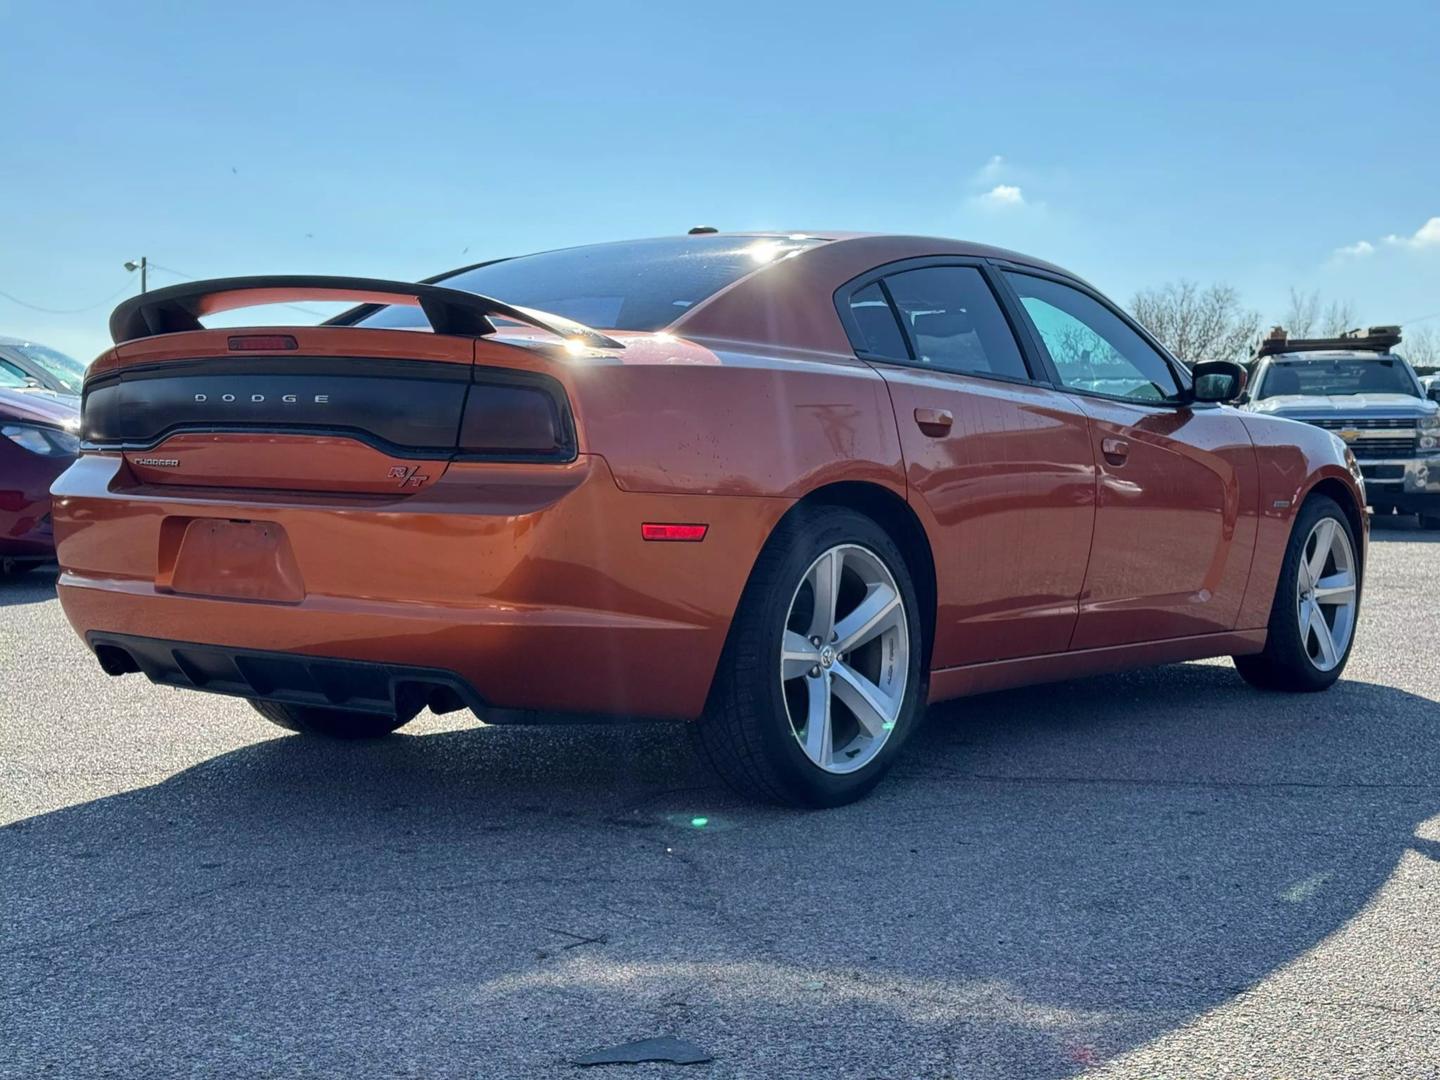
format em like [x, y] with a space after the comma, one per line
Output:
[1421, 347]
[1307, 316]
[1198, 324]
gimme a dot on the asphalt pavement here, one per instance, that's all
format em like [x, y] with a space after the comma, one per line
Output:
[1163, 873]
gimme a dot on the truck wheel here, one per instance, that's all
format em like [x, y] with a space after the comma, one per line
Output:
[1317, 600]
[334, 723]
[820, 684]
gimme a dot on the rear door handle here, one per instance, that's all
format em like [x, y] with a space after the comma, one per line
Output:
[1116, 451]
[934, 422]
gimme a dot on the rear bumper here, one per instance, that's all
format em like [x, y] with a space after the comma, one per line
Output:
[386, 689]
[529, 585]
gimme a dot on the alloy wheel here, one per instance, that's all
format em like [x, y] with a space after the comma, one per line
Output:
[1325, 600]
[844, 662]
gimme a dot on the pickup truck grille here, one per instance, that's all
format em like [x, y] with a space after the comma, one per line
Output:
[1375, 438]
[1383, 448]
[1366, 424]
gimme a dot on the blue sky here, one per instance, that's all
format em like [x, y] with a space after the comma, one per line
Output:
[1134, 143]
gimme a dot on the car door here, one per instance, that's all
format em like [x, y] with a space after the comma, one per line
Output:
[1175, 516]
[998, 463]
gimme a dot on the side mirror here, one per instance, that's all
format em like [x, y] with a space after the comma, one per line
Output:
[1218, 380]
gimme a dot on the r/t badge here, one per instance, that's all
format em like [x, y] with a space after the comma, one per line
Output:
[409, 476]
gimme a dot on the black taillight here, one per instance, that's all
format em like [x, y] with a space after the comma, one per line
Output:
[518, 416]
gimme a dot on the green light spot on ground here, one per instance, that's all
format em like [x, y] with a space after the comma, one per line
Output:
[699, 822]
[888, 724]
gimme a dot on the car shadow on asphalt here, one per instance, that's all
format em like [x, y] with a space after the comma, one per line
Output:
[34, 587]
[1050, 877]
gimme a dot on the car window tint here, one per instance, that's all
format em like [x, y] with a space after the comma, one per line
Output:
[955, 323]
[1092, 348]
[874, 319]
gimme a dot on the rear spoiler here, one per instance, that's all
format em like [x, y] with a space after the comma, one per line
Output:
[177, 308]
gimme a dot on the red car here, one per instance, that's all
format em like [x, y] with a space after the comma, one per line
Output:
[40, 440]
[793, 488]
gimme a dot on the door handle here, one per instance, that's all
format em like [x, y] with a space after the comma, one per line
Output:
[934, 422]
[1116, 451]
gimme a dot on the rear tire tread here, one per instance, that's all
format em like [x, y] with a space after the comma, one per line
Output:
[736, 728]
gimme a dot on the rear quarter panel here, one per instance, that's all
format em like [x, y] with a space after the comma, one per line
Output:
[689, 417]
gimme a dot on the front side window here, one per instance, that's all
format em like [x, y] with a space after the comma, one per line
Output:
[1093, 349]
[955, 323]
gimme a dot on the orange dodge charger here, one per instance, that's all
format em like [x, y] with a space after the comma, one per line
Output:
[788, 487]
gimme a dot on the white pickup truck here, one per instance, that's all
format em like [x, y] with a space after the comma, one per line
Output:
[1355, 386]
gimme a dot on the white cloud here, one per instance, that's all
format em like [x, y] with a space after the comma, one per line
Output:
[1000, 187]
[1003, 196]
[1357, 250]
[1427, 236]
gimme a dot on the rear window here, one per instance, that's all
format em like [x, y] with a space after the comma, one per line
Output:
[1340, 376]
[632, 285]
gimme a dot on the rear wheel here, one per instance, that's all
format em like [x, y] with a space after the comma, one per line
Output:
[1312, 620]
[334, 723]
[820, 684]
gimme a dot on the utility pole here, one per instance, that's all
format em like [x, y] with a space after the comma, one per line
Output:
[142, 266]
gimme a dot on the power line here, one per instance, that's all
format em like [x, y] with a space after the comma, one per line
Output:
[66, 311]
[1422, 318]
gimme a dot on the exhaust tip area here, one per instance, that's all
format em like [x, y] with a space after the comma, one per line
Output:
[115, 661]
[289, 678]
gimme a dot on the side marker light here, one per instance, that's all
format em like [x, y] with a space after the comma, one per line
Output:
[664, 531]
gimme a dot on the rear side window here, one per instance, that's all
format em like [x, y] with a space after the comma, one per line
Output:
[874, 319]
[631, 285]
[954, 322]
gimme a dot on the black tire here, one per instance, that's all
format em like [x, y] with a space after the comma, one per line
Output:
[332, 723]
[14, 568]
[746, 733]
[1285, 664]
